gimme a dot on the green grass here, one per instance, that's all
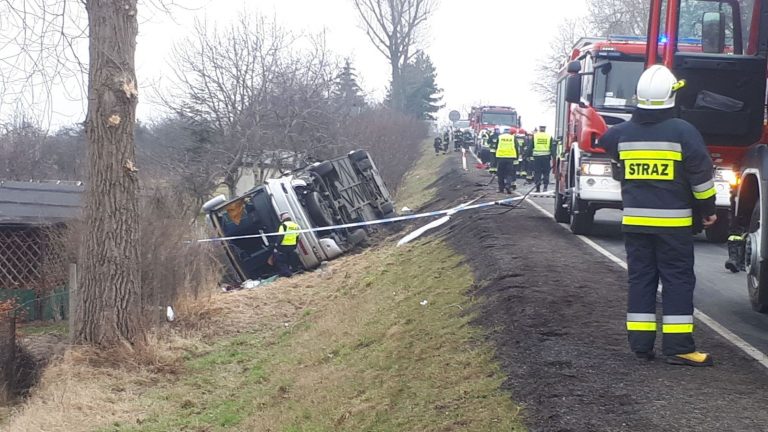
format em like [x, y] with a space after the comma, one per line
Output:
[416, 189]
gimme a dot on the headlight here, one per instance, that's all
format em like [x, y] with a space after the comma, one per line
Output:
[727, 175]
[596, 169]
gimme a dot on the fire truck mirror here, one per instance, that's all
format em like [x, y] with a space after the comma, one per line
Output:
[573, 89]
[713, 32]
[574, 67]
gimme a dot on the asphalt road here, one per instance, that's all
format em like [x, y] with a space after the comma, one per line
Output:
[719, 293]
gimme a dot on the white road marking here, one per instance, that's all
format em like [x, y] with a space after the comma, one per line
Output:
[740, 343]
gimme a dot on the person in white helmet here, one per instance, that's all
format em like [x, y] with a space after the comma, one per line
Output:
[666, 184]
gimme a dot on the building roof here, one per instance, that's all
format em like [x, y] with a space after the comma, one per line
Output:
[39, 203]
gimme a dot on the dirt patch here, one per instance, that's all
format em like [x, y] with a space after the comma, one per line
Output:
[555, 310]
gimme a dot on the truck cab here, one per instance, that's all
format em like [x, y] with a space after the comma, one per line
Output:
[595, 90]
[324, 194]
[720, 48]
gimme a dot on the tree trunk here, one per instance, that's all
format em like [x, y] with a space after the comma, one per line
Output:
[109, 304]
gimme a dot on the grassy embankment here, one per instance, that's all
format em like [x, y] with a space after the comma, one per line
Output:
[352, 348]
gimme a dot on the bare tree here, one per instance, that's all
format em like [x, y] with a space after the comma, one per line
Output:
[618, 17]
[393, 27]
[109, 297]
[568, 32]
[45, 37]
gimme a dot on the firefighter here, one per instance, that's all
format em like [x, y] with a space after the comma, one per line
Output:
[493, 143]
[484, 153]
[446, 140]
[521, 141]
[666, 182]
[438, 145]
[542, 157]
[285, 257]
[506, 162]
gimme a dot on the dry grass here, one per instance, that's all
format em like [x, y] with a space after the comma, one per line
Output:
[417, 188]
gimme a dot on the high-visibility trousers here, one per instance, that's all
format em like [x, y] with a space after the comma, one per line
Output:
[667, 258]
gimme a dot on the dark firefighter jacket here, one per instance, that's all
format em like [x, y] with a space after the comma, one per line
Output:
[665, 172]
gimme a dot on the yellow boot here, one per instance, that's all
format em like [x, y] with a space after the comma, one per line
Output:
[695, 358]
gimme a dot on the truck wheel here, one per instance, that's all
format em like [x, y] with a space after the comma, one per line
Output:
[386, 209]
[580, 223]
[718, 233]
[364, 165]
[561, 213]
[757, 271]
[321, 168]
[357, 155]
[356, 237]
[318, 211]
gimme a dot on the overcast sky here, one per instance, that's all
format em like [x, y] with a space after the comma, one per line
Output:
[485, 51]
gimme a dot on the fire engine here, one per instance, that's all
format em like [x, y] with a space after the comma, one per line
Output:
[490, 117]
[720, 48]
[596, 90]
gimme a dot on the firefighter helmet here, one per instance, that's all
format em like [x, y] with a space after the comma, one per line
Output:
[656, 88]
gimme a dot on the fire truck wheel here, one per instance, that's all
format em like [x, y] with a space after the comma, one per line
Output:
[319, 213]
[757, 270]
[561, 212]
[718, 233]
[322, 168]
[357, 155]
[365, 165]
[581, 223]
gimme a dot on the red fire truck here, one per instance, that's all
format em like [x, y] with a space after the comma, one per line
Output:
[490, 117]
[725, 98]
[596, 90]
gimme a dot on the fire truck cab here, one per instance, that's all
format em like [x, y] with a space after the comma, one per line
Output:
[601, 76]
[491, 116]
[720, 47]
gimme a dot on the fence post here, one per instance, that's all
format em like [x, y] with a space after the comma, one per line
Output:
[73, 293]
[7, 355]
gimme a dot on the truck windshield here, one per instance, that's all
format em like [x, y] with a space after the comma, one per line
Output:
[506, 119]
[615, 84]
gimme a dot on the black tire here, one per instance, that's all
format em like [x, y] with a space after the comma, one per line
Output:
[365, 165]
[580, 223]
[561, 212]
[719, 232]
[386, 209]
[321, 168]
[318, 211]
[356, 237]
[358, 155]
[757, 270]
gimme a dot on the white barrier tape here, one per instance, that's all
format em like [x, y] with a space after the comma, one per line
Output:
[448, 212]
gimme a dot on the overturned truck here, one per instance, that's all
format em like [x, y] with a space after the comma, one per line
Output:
[340, 191]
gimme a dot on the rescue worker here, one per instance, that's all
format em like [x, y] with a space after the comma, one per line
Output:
[484, 153]
[506, 162]
[542, 157]
[286, 260]
[520, 141]
[666, 181]
[438, 145]
[446, 140]
[736, 243]
[493, 143]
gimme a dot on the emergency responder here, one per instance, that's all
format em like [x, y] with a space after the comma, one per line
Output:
[520, 141]
[285, 257]
[485, 153]
[493, 143]
[506, 162]
[666, 182]
[542, 157]
[438, 145]
[446, 140]
[736, 243]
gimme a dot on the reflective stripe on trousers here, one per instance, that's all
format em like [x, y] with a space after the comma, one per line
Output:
[657, 217]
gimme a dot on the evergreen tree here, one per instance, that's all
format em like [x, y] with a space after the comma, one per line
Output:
[422, 98]
[347, 93]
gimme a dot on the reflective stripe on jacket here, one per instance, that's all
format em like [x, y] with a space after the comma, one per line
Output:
[665, 170]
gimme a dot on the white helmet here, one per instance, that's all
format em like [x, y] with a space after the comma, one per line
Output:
[656, 88]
